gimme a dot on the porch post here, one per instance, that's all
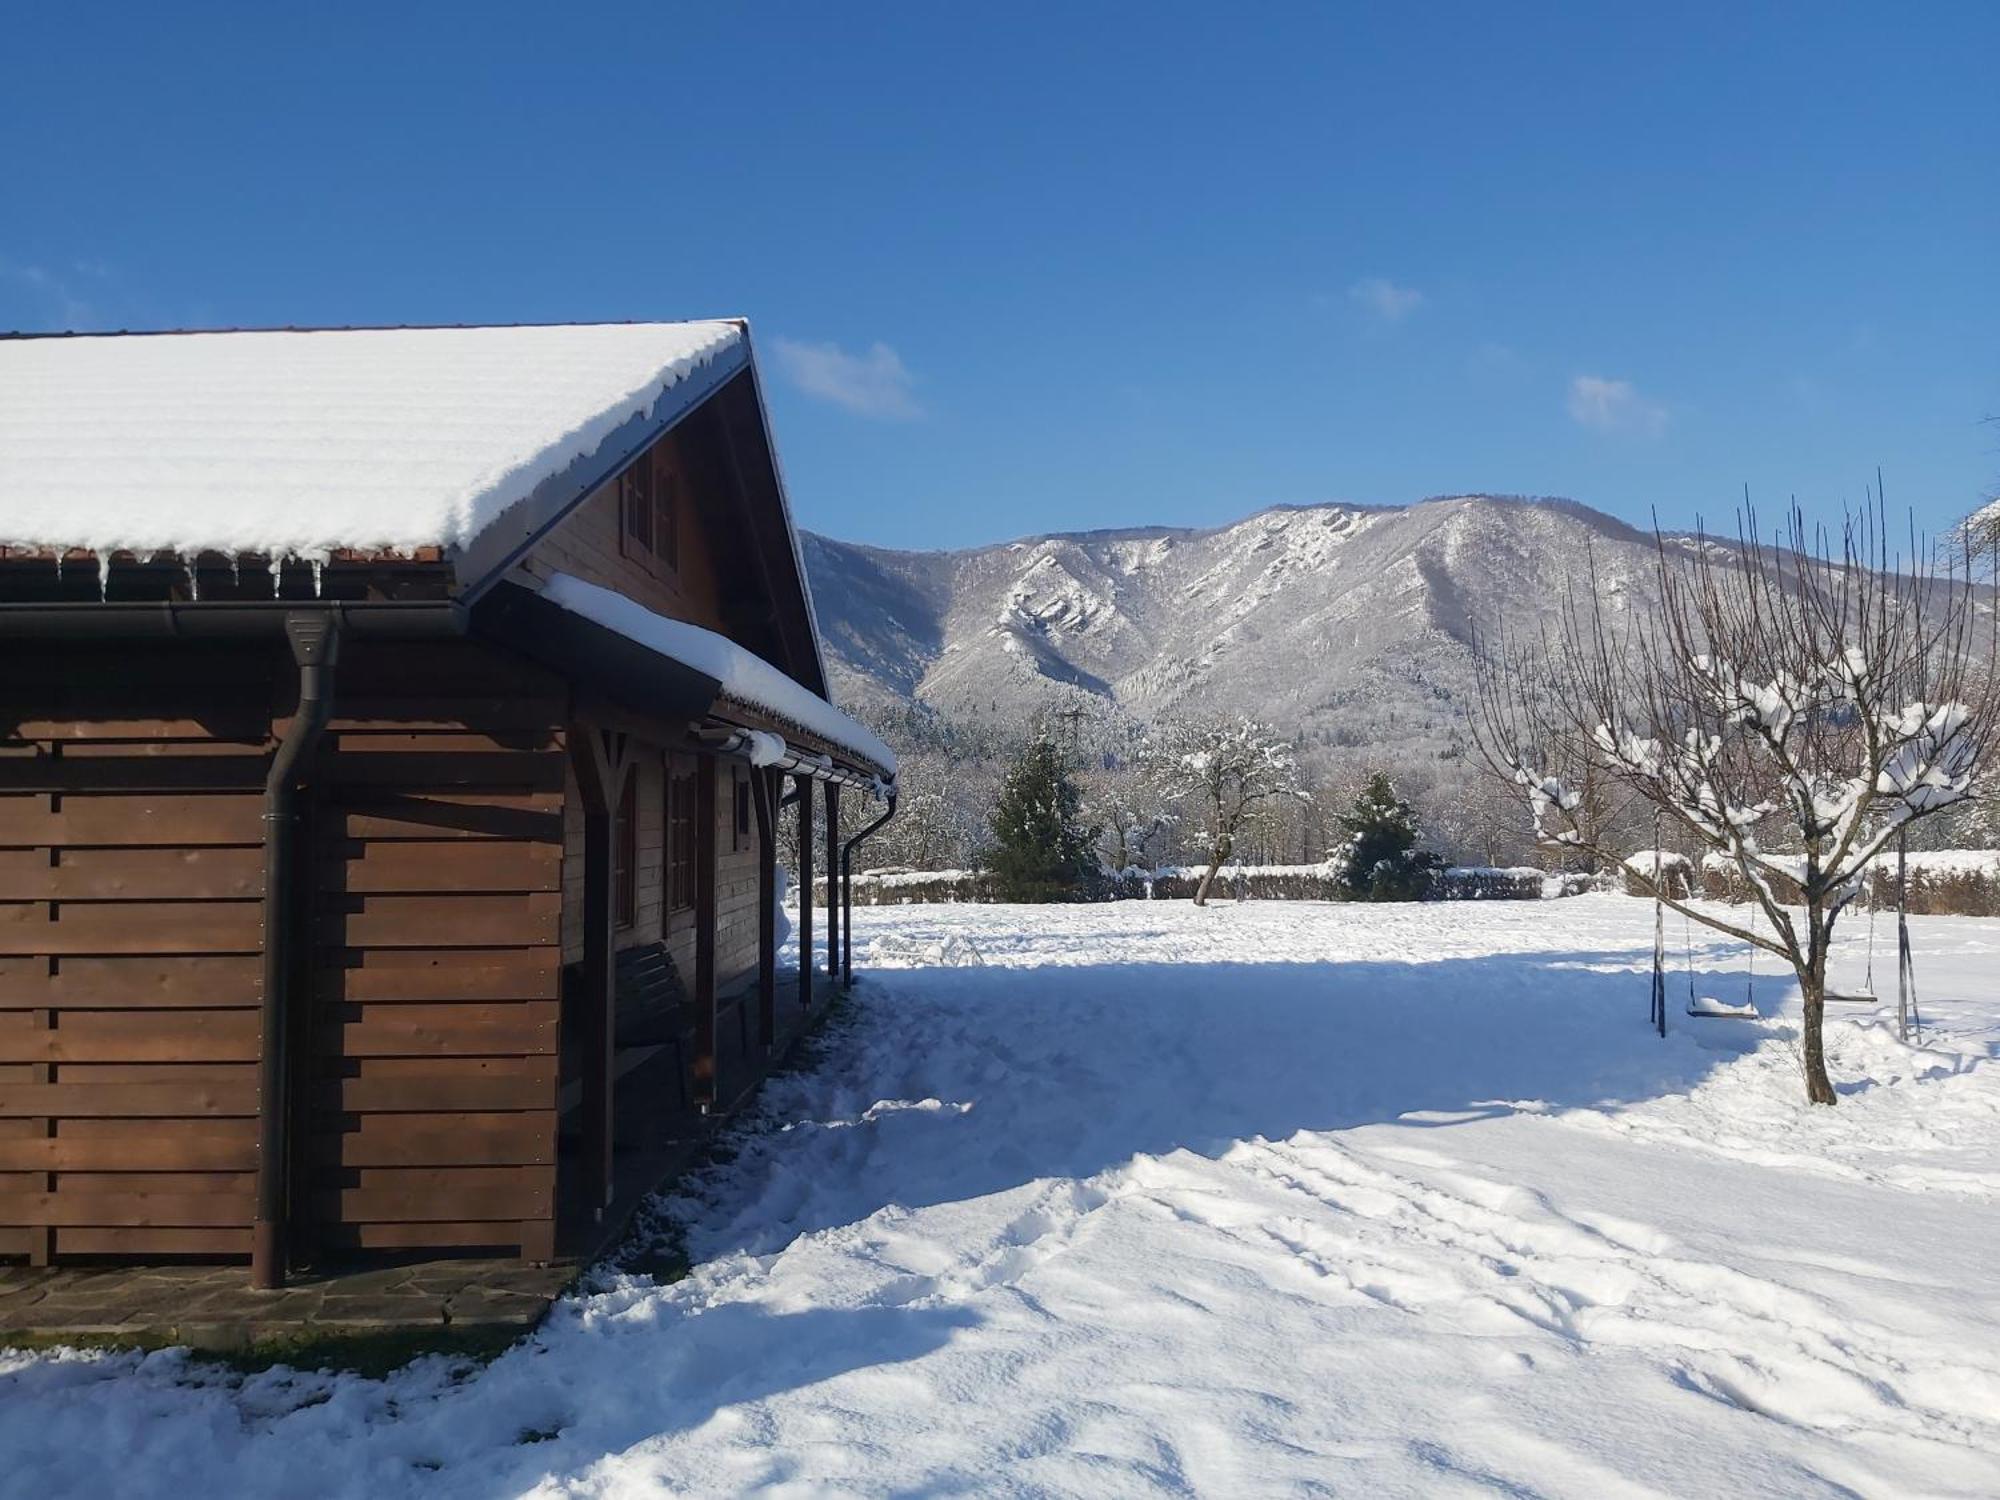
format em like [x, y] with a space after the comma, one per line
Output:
[764, 797]
[705, 1064]
[805, 892]
[833, 885]
[600, 784]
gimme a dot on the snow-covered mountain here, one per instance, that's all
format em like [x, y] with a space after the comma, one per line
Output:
[1350, 624]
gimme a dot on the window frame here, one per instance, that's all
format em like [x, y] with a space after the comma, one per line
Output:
[648, 492]
[625, 856]
[677, 838]
[742, 819]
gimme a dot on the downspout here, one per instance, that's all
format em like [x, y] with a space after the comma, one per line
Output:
[315, 642]
[847, 891]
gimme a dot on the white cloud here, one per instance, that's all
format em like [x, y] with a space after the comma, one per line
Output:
[873, 384]
[1382, 297]
[1615, 406]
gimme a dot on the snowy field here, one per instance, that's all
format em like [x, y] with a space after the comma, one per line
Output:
[1262, 1200]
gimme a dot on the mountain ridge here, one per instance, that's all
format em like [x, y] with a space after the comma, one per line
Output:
[1346, 625]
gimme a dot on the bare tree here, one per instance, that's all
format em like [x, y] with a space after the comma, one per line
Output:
[1130, 810]
[1800, 696]
[1223, 771]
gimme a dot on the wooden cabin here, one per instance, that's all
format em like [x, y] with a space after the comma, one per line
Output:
[395, 726]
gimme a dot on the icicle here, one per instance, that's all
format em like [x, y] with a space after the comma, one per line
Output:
[236, 572]
[319, 570]
[194, 583]
[103, 577]
[277, 575]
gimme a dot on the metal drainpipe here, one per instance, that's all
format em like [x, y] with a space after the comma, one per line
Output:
[847, 892]
[315, 641]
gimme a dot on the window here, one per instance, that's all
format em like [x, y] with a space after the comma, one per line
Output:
[742, 838]
[649, 506]
[625, 857]
[680, 838]
[635, 504]
[666, 509]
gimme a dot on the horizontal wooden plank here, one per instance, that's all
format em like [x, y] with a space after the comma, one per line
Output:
[149, 1209]
[194, 676]
[152, 927]
[108, 819]
[135, 1150]
[381, 975]
[117, 1240]
[132, 983]
[178, 1100]
[71, 773]
[176, 1036]
[130, 874]
[74, 750]
[378, 921]
[116, 724]
[492, 815]
[468, 1030]
[180, 1184]
[428, 1236]
[416, 866]
[403, 739]
[73, 1128]
[414, 1205]
[371, 669]
[227, 1073]
[534, 770]
[464, 1139]
[526, 1083]
[447, 711]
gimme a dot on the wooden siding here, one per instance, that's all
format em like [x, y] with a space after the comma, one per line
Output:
[131, 877]
[429, 1116]
[131, 935]
[588, 544]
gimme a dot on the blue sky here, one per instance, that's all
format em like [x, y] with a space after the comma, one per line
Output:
[1078, 266]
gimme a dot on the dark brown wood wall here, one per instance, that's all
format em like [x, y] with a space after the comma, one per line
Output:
[131, 871]
[131, 877]
[430, 1114]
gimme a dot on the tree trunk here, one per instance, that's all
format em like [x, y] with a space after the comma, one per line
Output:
[1819, 1088]
[1215, 858]
[1812, 986]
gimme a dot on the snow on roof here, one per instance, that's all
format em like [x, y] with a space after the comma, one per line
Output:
[303, 443]
[746, 678]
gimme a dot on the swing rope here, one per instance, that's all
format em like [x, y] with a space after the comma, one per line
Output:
[1869, 983]
[1906, 975]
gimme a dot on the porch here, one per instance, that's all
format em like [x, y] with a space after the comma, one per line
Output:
[351, 1309]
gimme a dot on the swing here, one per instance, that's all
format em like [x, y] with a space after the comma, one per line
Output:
[1713, 1008]
[1866, 994]
[1908, 1022]
[1656, 1016]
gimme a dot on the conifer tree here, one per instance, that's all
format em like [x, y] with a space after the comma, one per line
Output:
[1380, 860]
[1042, 850]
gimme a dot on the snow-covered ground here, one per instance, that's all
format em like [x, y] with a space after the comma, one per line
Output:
[1271, 1199]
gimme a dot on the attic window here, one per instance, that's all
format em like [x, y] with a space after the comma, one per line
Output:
[649, 509]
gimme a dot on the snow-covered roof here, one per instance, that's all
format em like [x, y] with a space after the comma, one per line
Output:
[746, 678]
[305, 443]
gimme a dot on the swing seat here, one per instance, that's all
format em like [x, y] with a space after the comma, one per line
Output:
[1708, 1008]
[1853, 997]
